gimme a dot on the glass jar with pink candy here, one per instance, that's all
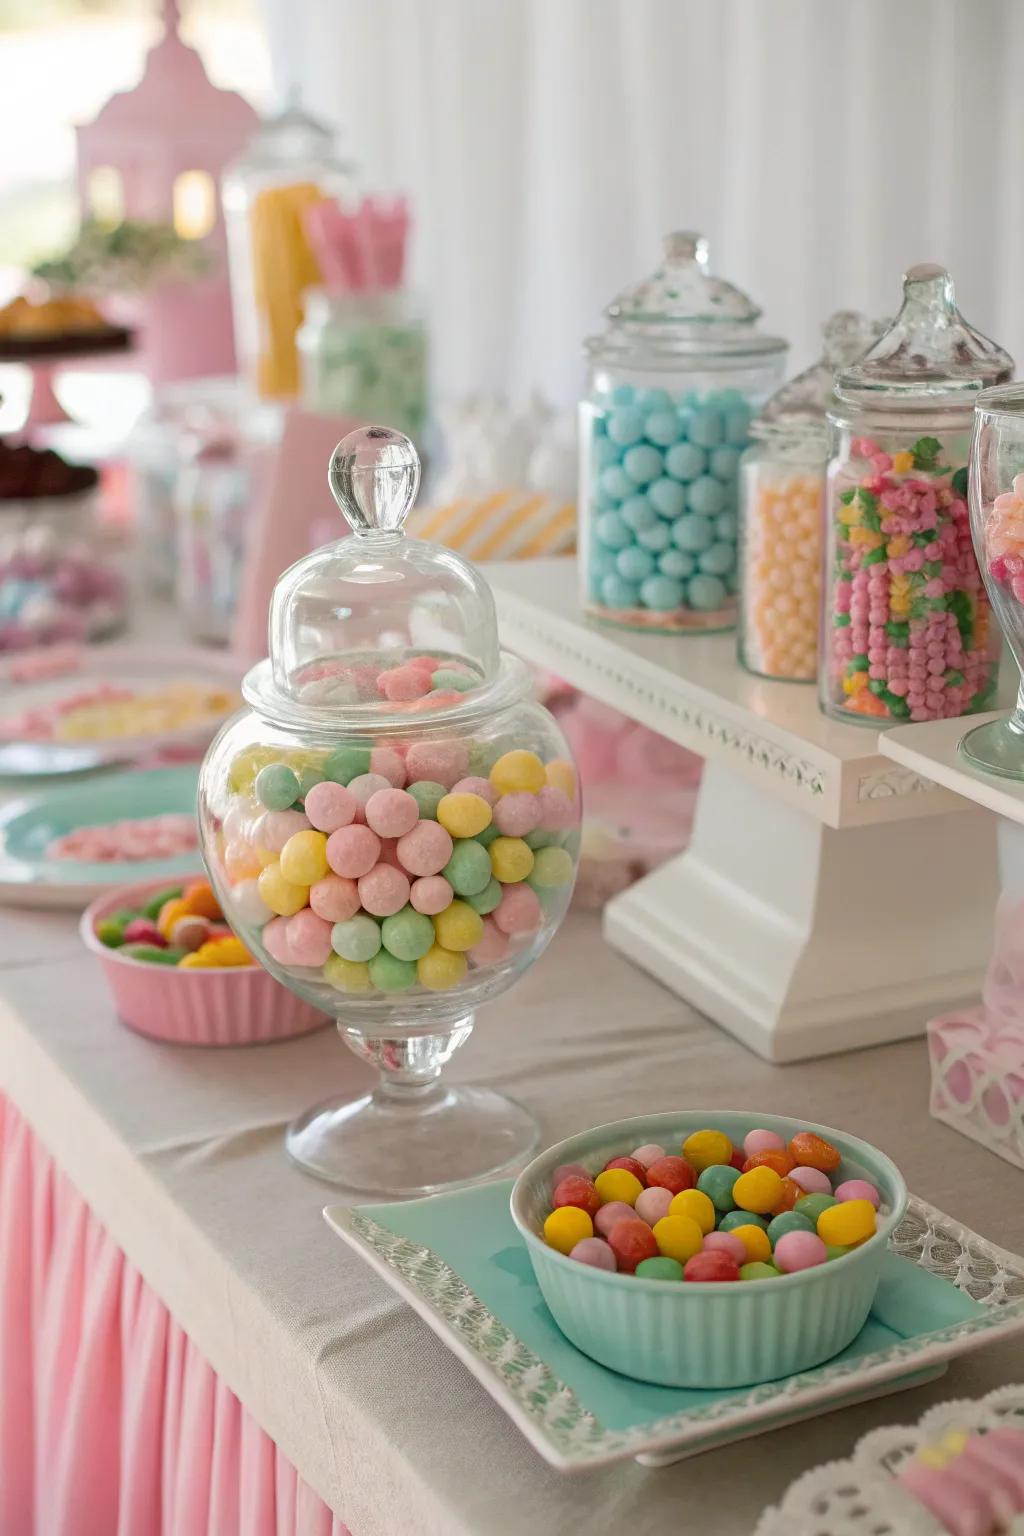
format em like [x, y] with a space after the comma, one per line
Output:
[906, 624]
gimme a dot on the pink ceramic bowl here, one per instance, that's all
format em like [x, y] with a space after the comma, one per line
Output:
[223, 1005]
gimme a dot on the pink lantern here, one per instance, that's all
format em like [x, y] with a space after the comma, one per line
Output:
[157, 153]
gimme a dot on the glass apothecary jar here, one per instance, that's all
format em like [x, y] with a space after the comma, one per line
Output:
[782, 494]
[392, 828]
[674, 382]
[290, 164]
[996, 495]
[365, 355]
[906, 624]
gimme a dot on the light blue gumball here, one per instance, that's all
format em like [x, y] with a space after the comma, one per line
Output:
[634, 564]
[690, 400]
[705, 593]
[685, 461]
[611, 531]
[623, 394]
[655, 399]
[724, 462]
[599, 424]
[737, 425]
[638, 513]
[730, 399]
[693, 534]
[661, 593]
[719, 560]
[642, 463]
[707, 428]
[606, 453]
[663, 428]
[667, 497]
[707, 496]
[601, 561]
[676, 564]
[655, 538]
[726, 526]
[616, 483]
[626, 425]
[617, 593]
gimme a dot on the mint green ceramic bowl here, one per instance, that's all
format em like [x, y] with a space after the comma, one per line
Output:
[706, 1335]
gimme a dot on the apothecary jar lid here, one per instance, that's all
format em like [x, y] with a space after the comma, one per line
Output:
[799, 408]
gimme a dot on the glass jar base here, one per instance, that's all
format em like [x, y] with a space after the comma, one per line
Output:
[997, 747]
[417, 1144]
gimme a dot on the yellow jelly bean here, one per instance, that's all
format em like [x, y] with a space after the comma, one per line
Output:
[304, 858]
[440, 969]
[703, 1149]
[464, 815]
[759, 1191]
[754, 1239]
[678, 1237]
[695, 1204]
[518, 771]
[226, 951]
[618, 1184]
[511, 859]
[347, 975]
[192, 962]
[281, 896]
[566, 1227]
[849, 1222]
[562, 775]
[902, 462]
[458, 926]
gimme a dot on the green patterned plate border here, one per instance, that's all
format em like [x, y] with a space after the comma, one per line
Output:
[570, 1437]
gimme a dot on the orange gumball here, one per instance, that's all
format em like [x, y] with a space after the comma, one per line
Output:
[775, 1157]
[811, 1151]
[788, 1197]
[200, 901]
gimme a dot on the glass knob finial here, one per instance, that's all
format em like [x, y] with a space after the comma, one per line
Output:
[374, 477]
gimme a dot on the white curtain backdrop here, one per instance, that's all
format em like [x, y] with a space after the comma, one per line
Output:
[822, 146]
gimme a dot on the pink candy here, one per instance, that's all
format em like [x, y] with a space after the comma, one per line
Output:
[518, 911]
[595, 1252]
[566, 1170]
[328, 807]
[363, 787]
[384, 891]
[275, 940]
[491, 946]
[274, 828]
[334, 898]
[647, 1154]
[353, 851]
[725, 1242]
[444, 762]
[391, 812]
[389, 764]
[608, 1215]
[431, 894]
[811, 1180]
[557, 811]
[799, 1250]
[403, 684]
[652, 1204]
[762, 1141]
[425, 850]
[516, 814]
[476, 786]
[308, 939]
[858, 1189]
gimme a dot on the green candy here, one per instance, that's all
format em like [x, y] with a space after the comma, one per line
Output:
[741, 1219]
[345, 764]
[428, 797]
[759, 1270]
[307, 778]
[789, 1221]
[571, 842]
[716, 1182]
[660, 1269]
[277, 786]
[153, 905]
[110, 932]
[152, 953]
[391, 975]
[552, 867]
[468, 871]
[539, 839]
[835, 1251]
[813, 1205]
[407, 934]
[442, 678]
[357, 939]
[487, 836]
[486, 900]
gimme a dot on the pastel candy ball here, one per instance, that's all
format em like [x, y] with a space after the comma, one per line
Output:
[511, 859]
[384, 890]
[662, 427]
[444, 762]
[637, 513]
[858, 1189]
[611, 531]
[706, 496]
[788, 1221]
[717, 1183]
[678, 1237]
[565, 1227]
[706, 428]
[475, 785]
[685, 461]
[675, 564]
[491, 947]
[813, 1180]
[464, 815]
[403, 684]
[277, 786]
[304, 858]
[275, 940]
[448, 680]
[617, 593]
[458, 927]
[281, 895]
[799, 1250]
[661, 1268]
[439, 969]
[737, 425]
[566, 1170]
[693, 534]
[662, 593]
[561, 775]
[813, 1205]
[274, 829]
[518, 771]
[486, 900]
[425, 850]
[615, 483]
[352, 976]
[643, 463]
[705, 593]
[353, 851]
[758, 1191]
[695, 1204]
[667, 497]
[357, 939]
[391, 812]
[330, 806]
[391, 975]
[309, 939]
[625, 426]
[733, 1219]
[363, 787]
[719, 560]
[430, 894]
[388, 764]
[707, 1148]
[407, 934]
[653, 1204]
[519, 912]
[711, 1266]
[428, 795]
[847, 1223]
[468, 871]
[647, 1154]
[758, 1270]
[346, 763]
[518, 813]
[240, 861]
[595, 1252]
[334, 898]
[755, 1241]
[762, 1141]
[613, 1211]
[555, 810]
[248, 905]
[634, 564]
[618, 1184]
[726, 1242]
[656, 538]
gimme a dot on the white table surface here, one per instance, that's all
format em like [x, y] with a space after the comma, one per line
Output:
[179, 1152]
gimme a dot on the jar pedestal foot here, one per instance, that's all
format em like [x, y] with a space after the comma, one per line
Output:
[997, 747]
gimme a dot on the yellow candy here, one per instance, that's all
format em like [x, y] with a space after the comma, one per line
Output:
[169, 914]
[695, 1204]
[618, 1184]
[458, 926]
[193, 962]
[225, 951]
[902, 463]
[511, 859]
[566, 1227]
[704, 1149]
[264, 857]
[754, 1239]
[347, 975]
[518, 771]
[678, 1237]
[281, 896]
[759, 1191]
[849, 1222]
[464, 815]
[244, 768]
[562, 775]
[440, 969]
[304, 858]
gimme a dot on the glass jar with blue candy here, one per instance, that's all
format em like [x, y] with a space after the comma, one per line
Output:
[675, 380]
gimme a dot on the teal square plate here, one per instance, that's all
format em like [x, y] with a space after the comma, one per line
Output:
[459, 1262]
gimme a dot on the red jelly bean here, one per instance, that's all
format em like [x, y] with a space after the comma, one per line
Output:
[672, 1173]
[711, 1264]
[141, 931]
[578, 1192]
[631, 1240]
[631, 1166]
[737, 1159]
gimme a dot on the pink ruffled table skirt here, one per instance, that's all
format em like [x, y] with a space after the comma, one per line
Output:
[111, 1422]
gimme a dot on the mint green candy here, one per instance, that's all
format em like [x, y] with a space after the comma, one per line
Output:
[538, 838]
[659, 1269]
[356, 939]
[758, 1271]
[346, 763]
[428, 796]
[468, 871]
[277, 787]
[391, 975]
[835, 1251]
[813, 1205]
[307, 778]
[487, 836]
[716, 1182]
[552, 867]
[741, 1219]
[789, 1221]
[486, 900]
[408, 934]
[458, 681]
